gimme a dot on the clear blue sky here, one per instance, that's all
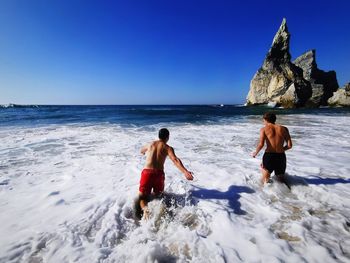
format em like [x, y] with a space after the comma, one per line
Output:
[156, 52]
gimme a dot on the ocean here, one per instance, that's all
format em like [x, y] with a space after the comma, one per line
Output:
[69, 178]
[139, 115]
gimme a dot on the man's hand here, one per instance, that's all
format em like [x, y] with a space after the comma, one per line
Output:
[144, 149]
[189, 175]
[287, 147]
[253, 154]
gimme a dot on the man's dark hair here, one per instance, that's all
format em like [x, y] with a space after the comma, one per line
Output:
[270, 117]
[163, 134]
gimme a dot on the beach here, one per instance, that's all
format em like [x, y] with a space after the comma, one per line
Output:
[69, 180]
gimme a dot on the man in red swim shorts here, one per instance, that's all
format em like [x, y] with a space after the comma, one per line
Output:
[152, 176]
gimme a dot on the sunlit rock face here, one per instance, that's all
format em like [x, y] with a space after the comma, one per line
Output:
[341, 97]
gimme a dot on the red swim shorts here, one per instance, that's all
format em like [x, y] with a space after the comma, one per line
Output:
[152, 178]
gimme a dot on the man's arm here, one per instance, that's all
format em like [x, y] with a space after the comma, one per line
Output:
[178, 164]
[261, 143]
[288, 139]
[144, 149]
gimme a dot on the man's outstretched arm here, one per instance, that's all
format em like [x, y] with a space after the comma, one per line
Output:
[178, 164]
[261, 143]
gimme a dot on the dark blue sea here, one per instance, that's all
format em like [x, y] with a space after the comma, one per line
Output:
[38, 115]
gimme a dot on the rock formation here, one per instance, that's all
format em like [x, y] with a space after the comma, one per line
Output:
[290, 84]
[341, 97]
[323, 84]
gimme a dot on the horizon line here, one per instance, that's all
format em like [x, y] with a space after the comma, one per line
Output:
[187, 104]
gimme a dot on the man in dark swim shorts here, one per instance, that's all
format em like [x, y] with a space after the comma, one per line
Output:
[152, 176]
[274, 162]
[274, 158]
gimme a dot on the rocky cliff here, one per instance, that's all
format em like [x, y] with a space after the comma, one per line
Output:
[289, 84]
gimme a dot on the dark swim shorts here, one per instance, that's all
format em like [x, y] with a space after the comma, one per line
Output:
[275, 162]
[152, 179]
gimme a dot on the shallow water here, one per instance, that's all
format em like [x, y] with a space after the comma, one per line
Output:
[67, 193]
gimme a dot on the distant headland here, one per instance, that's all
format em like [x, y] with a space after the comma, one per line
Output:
[281, 82]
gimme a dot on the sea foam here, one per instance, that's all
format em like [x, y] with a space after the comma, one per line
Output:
[67, 193]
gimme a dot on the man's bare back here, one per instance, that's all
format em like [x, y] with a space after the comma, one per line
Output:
[157, 152]
[275, 137]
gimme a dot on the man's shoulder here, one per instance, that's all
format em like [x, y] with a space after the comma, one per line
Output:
[283, 130]
[279, 126]
[283, 127]
[168, 147]
[153, 143]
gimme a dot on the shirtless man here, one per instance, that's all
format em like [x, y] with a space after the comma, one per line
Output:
[274, 158]
[152, 175]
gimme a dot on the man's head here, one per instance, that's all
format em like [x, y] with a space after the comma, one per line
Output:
[270, 117]
[163, 134]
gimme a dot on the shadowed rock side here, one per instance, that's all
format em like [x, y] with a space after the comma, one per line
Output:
[341, 97]
[290, 84]
[323, 84]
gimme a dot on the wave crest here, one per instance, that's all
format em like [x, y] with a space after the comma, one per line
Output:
[12, 105]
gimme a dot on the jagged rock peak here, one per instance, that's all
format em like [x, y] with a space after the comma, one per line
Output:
[308, 54]
[282, 33]
[279, 51]
[308, 58]
[307, 62]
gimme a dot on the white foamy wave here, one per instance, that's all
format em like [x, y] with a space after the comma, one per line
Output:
[67, 194]
[7, 105]
[11, 105]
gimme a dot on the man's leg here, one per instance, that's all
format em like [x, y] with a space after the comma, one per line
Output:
[143, 200]
[282, 179]
[281, 169]
[266, 167]
[265, 176]
[143, 204]
[145, 191]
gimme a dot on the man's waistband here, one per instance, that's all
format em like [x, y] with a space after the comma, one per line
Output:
[153, 170]
[275, 153]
